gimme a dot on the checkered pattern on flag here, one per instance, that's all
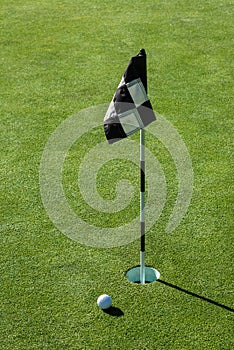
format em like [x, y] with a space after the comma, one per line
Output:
[130, 108]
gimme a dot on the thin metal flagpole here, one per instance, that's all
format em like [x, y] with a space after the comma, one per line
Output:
[143, 274]
[142, 205]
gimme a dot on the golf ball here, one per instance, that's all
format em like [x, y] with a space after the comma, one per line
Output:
[104, 301]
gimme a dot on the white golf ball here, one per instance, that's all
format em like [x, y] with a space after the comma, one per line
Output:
[104, 301]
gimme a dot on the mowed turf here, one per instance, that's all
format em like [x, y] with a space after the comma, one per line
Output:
[57, 58]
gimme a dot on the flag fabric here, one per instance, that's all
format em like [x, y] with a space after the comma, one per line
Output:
[130, 108]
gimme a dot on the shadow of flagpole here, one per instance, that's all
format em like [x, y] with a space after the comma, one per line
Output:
[196, 295]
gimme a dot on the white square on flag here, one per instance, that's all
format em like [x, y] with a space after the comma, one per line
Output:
[130, 121]
[137, 92]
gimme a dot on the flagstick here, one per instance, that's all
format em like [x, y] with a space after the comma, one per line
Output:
[142, 206]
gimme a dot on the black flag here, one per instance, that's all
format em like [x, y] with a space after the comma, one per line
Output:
[130, 108]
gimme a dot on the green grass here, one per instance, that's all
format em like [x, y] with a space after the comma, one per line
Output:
[58, 57]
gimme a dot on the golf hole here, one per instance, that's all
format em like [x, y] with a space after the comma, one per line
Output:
[151, 274]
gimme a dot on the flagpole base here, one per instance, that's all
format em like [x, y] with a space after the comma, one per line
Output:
[142, 268]
[134, 274]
